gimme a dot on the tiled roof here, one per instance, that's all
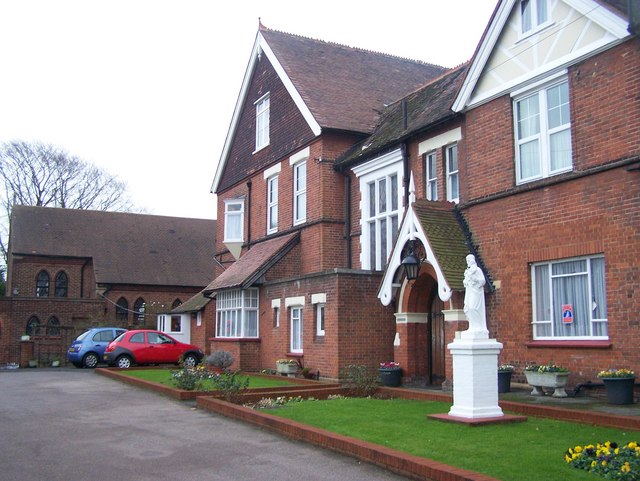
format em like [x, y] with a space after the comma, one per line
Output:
[446, 237]
[254, 263]
[423, 108]
[345, 87]
[194, 304]
[125, 248]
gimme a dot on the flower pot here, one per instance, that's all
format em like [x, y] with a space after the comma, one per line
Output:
[288, 369]
[55, 363]
[550, 380]
[619, 389]
[33, 363]
[504, 381]
[25, 337]
[390, 376]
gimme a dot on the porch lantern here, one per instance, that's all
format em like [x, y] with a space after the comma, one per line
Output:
[411, 264]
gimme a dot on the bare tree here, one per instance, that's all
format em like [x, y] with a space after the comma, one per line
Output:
[37, 174]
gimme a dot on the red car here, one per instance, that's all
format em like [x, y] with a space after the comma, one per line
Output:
[145, 346]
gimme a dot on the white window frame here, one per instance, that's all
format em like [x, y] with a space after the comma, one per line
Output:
[234, 309]
[319, 301]
[275, 306]
[544, 134]
[431, 175]
[233, 214]
[535, 8]
[272, 204]
[453, 177]
[262, 121]
[297, 320]
[320, 317]
[546, 317]
[299, 192]
[372, 256]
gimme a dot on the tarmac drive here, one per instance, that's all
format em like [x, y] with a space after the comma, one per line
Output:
[72, 424]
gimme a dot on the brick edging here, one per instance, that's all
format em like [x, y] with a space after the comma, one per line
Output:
[408, 465]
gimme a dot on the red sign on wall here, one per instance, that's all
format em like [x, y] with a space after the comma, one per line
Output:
[567, 313]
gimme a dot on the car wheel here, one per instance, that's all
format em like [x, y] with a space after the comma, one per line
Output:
[190, 360]
[123, 362]
[90, 360]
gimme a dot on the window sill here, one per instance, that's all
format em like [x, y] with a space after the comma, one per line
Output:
[235, 339]
[571, 344]
[295, 354]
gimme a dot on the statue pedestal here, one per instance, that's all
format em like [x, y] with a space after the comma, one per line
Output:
[475, 376]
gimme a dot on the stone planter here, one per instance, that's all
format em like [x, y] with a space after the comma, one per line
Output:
[619, 389]
[549, 380]
[288, 369]
[504, 381]
[390, 376]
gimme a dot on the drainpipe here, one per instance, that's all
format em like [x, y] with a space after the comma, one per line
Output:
[249, 215]
[347, 219]
[86, 262]
[405, 173]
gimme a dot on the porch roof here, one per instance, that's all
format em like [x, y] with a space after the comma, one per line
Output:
[253, 264]
[194, 304]
[443, 234]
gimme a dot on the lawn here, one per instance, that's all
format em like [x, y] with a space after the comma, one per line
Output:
[163, 376]
[529, 451]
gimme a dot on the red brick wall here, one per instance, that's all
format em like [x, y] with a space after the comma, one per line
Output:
[289, 130]
[562, 216]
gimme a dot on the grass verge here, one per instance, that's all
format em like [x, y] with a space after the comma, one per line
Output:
[529, 451]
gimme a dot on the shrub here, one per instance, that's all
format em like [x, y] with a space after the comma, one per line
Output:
[361, 380]
[220, 359]
[231, 385]
[190, 378]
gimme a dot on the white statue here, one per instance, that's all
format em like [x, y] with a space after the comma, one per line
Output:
[474, 307]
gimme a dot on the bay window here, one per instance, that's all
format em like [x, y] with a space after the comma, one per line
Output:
[569, 299]
[237, 313]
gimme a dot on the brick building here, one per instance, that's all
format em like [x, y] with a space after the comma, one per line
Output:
[71, 269]
[338, 161]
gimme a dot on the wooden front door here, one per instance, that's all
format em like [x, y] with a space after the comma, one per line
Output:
[437, 344]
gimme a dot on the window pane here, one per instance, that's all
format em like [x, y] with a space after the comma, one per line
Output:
[599, 302]
[560, 150]
[382, 196]
[558, 105]
[372, 245]
[372, 199]
[542, 11]
[571, 293]
[383, 242]
[530, 160]
[394, 229]
[394, 192]
[525, 13]
[528, 111]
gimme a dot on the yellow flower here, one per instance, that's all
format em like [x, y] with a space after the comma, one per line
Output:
[593, 464]
[625, 468]
[604, 463]
[632, 445]
[578, 449]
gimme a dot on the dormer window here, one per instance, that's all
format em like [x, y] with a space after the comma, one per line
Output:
[262, 122]
[533, 15]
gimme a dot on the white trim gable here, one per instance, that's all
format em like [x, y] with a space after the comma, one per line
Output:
[528, 63]
[260, 47]
[411, 229]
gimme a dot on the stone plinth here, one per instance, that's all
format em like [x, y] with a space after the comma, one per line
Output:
[475, 377]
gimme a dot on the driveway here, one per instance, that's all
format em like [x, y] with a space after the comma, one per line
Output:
[61, 424]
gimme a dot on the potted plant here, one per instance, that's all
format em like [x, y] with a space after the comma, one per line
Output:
[550, 375]
[219, 361]
[619, 385]
[287, 366]
[390, 373]
[504, 377]
[55, 363]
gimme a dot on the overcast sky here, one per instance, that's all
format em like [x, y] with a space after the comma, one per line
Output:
[146, 88]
